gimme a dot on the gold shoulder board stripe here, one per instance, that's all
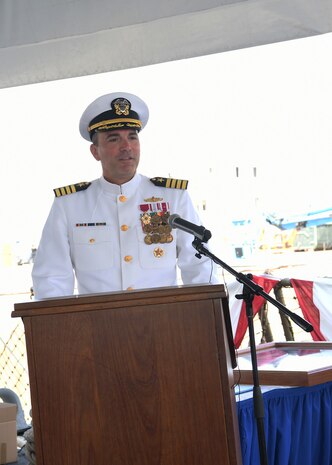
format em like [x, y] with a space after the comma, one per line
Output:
[170, 183]
[71, 189]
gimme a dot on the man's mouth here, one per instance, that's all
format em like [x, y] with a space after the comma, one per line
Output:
[126, 158]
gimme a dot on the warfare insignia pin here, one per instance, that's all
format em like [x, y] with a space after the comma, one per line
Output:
[153, 199]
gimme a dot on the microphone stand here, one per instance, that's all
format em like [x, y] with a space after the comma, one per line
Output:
[250, 289]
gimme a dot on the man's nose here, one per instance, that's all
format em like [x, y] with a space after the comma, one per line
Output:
[125, 144]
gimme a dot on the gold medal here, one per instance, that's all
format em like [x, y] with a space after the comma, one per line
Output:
[168, 229]
[155, 238]
[148, 240]
[147, 228]
[161, 229]
[154, 222]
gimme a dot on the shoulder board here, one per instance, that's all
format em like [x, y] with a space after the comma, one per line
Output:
[71, 189]
[170, 182]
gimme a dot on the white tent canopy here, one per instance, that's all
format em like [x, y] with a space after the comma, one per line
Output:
[43, 40]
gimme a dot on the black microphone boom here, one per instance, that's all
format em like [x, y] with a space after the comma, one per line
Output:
[175, 221]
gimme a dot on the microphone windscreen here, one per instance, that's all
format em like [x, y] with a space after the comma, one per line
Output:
[172, 218]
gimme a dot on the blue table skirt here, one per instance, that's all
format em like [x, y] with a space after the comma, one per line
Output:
[298, 426]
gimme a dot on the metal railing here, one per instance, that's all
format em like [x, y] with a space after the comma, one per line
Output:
[14, 368]
[272, 324]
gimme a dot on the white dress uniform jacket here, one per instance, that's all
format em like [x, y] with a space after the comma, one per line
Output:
[96, 235]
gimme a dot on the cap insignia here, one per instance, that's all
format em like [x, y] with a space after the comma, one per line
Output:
[71, 189]
[121, 106]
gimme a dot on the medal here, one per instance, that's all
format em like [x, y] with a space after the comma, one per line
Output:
[155, 238]
[154, 221]
[146, 219]
[169, 238]
[148, 240]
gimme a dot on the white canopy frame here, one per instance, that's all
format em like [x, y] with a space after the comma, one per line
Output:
[46, 40]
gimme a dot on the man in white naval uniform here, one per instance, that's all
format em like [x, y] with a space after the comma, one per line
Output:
[112, 233]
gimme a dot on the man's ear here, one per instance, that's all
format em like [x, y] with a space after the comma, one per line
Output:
[94, 151]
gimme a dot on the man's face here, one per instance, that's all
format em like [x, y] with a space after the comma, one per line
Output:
[119, 153]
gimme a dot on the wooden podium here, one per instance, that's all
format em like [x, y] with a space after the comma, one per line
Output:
[132, 378]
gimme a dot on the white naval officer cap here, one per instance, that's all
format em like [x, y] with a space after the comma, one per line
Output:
[118, 110]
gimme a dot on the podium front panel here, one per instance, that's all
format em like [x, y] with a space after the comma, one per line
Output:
[139, 384]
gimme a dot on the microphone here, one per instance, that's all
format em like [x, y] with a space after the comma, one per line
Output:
[175, 221]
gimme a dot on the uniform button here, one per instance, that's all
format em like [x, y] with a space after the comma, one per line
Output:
[122, 198]
[124, 227]
[92, 240]
[130, 288]
[128, 258]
